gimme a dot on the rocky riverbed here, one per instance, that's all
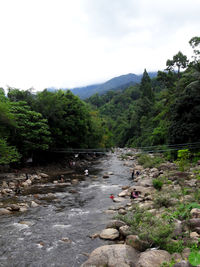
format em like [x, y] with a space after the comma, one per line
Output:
[59, 218]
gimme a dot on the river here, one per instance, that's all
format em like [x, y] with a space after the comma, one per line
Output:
[56, 233]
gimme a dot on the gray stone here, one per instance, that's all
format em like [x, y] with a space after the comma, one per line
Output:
[4, 211]
[195, 213]
[115, 224]
[182, 264]
[34, 204]
[43, 175]
[109, 233]
[112, 256]
[153, 258]
[122, 211]
[135, 242]
[125, 230]
[194, 223]
[185, 253]
[15, 207]
[178, 228]
[118, 199]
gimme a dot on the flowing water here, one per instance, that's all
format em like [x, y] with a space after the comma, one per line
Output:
[56, 233]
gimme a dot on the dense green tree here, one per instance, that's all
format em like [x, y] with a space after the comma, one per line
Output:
[179, 61]
[32, 132]
[146, 87]
[68, 118]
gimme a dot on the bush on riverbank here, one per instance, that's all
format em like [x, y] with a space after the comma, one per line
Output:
[149, 162]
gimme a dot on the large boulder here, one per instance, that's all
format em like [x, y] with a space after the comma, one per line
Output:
[135, 242]
[4, 211]
[153, 258]
[194, 223]
[115, 224]
[195, 213]
[182, 263]
[109, 233]
[113, 256]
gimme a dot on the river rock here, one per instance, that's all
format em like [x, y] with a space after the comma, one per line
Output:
[115, 224]
[177, 257]
[66, 240]
[6, 191]
[93, 236]
[29, 223]
[185, 253]
[147, 182]
[118, 199]
[153, 258]
[125, 230]
[194, 223]
[4, 185]
[43, 175]
[15, 207]
[146, 205]
[122, 211]
[109, 233]
[124, 193]
[4, 211]
[34, 204]
[110, 211]
[135, 242]
[23, 209]
[74, 181]
[178, 228]
[167, 166]
[182, 263]
[125, 187]
[112, 256]
[195, 213]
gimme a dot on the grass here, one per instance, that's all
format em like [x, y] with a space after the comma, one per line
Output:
[149, 162]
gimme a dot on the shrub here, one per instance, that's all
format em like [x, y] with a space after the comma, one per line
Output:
[183, 159]
[157, 184]
[148, 161]
[162, 201]
[156, 231]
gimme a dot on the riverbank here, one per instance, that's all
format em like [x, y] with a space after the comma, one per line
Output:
[159, 228]
[58, 223]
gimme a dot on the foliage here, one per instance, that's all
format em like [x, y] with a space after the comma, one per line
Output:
[8, 154]
[157, 184]
[162, 200]
[183, 159]
[182, 211]
[157, 232]
[194, 258]
[149, 161]
[31, 133]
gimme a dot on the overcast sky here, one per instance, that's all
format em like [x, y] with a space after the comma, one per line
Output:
[68, 43]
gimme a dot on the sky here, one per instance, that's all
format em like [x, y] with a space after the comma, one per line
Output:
[70, 43]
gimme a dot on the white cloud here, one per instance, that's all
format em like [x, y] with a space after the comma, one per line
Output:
[66, 43]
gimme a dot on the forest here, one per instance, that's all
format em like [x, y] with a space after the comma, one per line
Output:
[161, 111]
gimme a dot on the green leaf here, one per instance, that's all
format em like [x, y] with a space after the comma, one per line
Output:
[194, 258]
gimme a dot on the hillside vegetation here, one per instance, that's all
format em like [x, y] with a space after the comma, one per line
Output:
[161, 111]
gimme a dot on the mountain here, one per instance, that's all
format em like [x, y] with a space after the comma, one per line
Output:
[120, 82]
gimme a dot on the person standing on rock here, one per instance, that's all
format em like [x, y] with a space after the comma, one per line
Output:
[86, 172]
[132, 175]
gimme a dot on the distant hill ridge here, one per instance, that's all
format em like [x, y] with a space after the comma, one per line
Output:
[116, 83]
